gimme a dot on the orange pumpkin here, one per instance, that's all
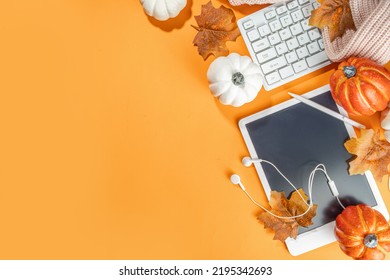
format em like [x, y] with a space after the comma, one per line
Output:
[363, 233]
[361, 86]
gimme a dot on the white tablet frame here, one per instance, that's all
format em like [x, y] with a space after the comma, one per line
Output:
[323, 235]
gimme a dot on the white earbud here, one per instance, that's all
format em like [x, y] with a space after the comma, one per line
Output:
[236, 180]
[247, 161]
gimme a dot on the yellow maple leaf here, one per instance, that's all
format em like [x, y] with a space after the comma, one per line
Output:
[283, 207]
[371, 152]
[334, 14]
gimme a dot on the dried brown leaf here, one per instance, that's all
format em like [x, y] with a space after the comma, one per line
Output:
[216, 26]
[371, 152]
[334, 14]
[281, 206]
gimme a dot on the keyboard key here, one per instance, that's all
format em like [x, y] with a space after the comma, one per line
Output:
[303, 39]
[266, 55]
[285, 34]
[286, 20]
[313, 47]
[296, 29]
[292, 5]
[281, 48]
[307, 11]
[274, 39]
[248, 24]
[282, 41]
[305, 24]
[317, 59]
[272, 78]
[286, 72]
[297, 16]
[281, 10]
[321, 44]
[291, 57]
[253, 35]
[275, 25]
[314, 34]
[270, 14]
[273, 65]
[264, 30]
[300, 66]
[302, 52]
[260, 45]
[292, 44]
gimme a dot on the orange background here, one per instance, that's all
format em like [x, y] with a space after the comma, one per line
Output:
[112, 146]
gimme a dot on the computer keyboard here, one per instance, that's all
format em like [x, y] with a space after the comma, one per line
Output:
[281, 41]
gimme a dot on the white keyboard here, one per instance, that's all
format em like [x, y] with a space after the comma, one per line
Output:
[281, 41]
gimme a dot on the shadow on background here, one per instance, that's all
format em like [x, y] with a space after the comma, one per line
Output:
[173, 23]
[334, 209]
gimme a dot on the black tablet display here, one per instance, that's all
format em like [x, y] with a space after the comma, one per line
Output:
[296, 137]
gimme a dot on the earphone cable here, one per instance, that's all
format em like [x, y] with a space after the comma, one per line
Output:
[310, 205]
[320, 167]
[277, 216]
[285, 178]
[338, 200]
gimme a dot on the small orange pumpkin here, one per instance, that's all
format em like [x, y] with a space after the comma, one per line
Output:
[361, 86]
[363, 233]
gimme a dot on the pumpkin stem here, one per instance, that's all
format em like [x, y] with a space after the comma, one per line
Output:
[349, 71]
[238, 79]
[370, 240]
[197, 28]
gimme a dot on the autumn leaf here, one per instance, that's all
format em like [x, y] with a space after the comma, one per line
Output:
[334, 14]
[216, 27]
[281, 206]
[371, 152]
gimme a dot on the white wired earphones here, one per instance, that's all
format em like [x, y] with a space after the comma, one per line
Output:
[247, 161]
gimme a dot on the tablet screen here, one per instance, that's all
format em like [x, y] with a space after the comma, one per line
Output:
[298, 138]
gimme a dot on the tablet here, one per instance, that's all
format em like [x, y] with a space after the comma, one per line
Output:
[296, 137]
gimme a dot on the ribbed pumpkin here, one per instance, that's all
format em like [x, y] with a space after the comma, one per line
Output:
[234, 79]
[163, 9]
[363, 233]
[361, 86]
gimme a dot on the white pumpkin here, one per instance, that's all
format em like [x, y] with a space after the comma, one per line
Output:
[234, 79]
[385, 122]
[163, 9]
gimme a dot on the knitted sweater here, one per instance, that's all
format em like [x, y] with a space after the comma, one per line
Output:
[253, 2]
[370, 40]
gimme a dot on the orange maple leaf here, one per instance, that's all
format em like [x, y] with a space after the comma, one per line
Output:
[216, 27]
[371, 152]
[281, 206]
[334, 14]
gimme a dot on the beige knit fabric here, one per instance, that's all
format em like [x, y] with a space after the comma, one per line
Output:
[371, 39]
